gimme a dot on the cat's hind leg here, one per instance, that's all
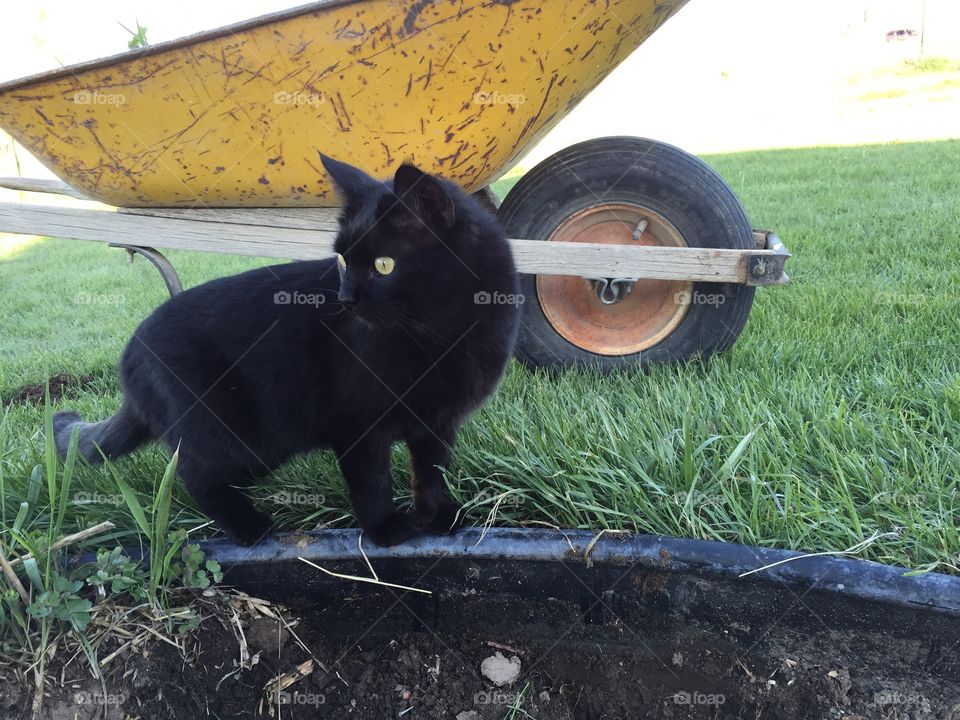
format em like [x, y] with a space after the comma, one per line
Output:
[215, 490]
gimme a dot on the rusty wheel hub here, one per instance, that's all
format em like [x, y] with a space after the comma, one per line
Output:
[615, 316]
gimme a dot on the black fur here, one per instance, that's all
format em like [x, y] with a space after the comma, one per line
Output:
[241, 380]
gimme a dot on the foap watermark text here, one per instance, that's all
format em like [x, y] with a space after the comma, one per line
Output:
[290, 497]
[683, 697]
[300, 698]
[497, 298]
[699, 298]
[493, 97]
[84, 697]
[95, 97]
[97, 498]
[495, 697]
[299, 298]
[85, 298]
[298, 97]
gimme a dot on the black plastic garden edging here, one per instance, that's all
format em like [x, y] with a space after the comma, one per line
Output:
[257, 568]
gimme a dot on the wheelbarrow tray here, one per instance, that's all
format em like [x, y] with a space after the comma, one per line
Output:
[234, 117]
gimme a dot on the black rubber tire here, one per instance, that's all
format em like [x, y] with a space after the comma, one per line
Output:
[652, 175]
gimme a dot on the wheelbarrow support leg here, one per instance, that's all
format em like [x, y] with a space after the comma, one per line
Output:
[157, 259]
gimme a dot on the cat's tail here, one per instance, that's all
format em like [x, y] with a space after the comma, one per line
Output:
[119, 435]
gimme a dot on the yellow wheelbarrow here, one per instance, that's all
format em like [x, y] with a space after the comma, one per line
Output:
[210, 143]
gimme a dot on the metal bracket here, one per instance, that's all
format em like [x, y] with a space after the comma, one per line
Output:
[612, 290]
[159, 261]
[768, 269]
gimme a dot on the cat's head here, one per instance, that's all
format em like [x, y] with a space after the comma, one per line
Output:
[407, 248]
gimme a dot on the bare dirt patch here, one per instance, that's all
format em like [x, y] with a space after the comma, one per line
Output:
[59, 384]
[388, 656]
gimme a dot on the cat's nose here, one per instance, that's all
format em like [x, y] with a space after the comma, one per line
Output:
[348, 300]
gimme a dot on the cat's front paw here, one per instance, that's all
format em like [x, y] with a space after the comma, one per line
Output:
[392, 531]
[255, 528]
[448, 519]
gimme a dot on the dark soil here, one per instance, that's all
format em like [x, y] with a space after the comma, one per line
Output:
[391, 656]
[59, 385]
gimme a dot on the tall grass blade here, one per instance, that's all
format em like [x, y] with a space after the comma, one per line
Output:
[21, 517]
[733, 460]
[66, 481]
[35, 485]
[159, 558]
[33, 574]
[50, 450]
[133, 504]
[161, 507]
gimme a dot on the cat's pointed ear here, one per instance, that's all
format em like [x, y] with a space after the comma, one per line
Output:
[352, 182]
[425, 197]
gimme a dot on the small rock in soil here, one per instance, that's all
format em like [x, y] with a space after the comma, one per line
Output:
[410, 658]
[468, 715]
[841, 689]
[267, 635]
[324, 680]
[500, 670]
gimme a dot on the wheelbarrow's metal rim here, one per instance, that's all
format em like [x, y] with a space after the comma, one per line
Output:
[650, 310]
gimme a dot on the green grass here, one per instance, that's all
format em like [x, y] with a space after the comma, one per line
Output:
[923, 66]
[883, 94]
[948, 84]
[911, 78]
[835, 416]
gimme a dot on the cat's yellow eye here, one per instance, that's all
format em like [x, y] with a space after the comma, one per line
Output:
[384, 265]
[341, 261]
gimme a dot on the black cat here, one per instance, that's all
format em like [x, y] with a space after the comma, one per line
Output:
[400, 337]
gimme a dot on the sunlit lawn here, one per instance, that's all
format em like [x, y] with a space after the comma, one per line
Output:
[846, 382]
